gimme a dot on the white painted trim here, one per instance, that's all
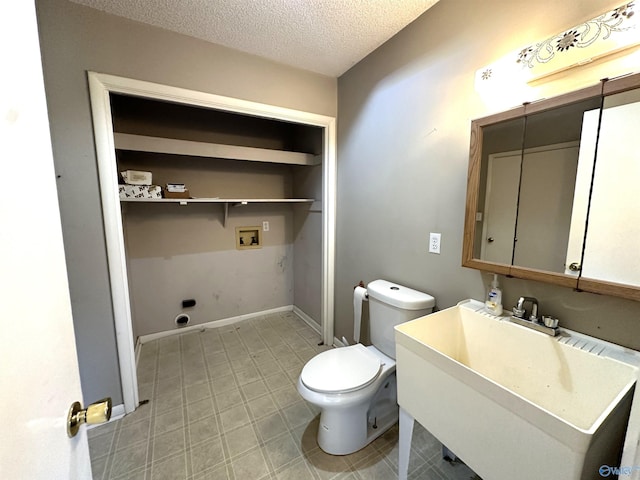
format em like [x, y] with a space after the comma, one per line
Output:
[329, 185]
[100, 86]
[103, 131]
[213, 324]
[307, 319]
[158, 91]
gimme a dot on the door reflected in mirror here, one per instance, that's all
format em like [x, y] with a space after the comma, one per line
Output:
[498, 196]
[529, 194]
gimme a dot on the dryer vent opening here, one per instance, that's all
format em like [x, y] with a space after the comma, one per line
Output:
[182, 320]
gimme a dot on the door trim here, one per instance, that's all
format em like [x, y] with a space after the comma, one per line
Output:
[100, 86]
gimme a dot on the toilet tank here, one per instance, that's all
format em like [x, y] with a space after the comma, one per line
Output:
[389, 305]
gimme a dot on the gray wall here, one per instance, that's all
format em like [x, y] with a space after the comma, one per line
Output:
[180, 252]
[75, 39]
[307, 246]
[403, 144]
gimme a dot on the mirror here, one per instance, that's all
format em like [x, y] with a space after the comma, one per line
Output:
[611, 248]
[552, 149]
[530, 209]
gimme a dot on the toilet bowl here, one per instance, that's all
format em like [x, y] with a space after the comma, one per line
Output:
[343, 382]
[355, 386]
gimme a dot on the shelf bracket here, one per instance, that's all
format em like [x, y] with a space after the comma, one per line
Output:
[226, 214]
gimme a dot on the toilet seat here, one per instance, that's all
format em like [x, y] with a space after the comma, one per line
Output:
[341, 370]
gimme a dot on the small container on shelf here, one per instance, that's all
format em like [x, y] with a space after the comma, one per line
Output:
[176, 190]
[136, 177]
[183, 194]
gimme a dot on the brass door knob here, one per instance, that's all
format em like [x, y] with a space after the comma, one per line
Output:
[98, 412]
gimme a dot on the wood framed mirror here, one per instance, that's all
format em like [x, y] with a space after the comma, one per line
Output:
[552, 190]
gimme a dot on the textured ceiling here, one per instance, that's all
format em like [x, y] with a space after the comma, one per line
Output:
[324, 36]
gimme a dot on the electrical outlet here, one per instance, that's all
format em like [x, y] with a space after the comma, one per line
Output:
[265, 226]
[434, 243]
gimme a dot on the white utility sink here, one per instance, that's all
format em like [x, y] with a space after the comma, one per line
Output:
[509, 401]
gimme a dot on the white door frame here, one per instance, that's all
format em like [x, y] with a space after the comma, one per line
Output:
[100, 86]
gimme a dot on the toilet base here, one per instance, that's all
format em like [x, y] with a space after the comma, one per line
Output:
[346, 430]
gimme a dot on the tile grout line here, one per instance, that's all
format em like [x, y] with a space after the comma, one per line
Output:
[112, 454]
[252, 418]
[179, 390]
[152, 407]
[153, 412]
[225, 463]
[246, 400]
[223, 433]
[186, 430]
[109, 453]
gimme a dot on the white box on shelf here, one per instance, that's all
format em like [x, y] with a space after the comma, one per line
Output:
[136, 177]
[140, 191]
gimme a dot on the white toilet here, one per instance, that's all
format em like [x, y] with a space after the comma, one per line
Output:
[355, 386]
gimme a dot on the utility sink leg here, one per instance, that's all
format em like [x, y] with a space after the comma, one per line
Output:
[404, 445]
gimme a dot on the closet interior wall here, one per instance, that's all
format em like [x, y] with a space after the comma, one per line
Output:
[176, 252]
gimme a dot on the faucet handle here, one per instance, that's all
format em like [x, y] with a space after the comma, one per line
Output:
[518, 312]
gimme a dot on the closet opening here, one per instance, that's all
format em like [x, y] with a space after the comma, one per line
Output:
[235, 164]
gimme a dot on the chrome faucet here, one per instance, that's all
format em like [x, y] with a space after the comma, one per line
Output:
[520, 312]
[549, 326]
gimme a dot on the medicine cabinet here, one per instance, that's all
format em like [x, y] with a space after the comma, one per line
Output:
[552, 190]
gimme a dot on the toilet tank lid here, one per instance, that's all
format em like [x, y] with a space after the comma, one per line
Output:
[399, 296]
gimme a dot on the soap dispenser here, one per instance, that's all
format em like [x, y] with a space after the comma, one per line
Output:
[494, 298]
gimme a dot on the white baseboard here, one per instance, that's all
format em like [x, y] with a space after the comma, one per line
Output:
[142, 339]
[307, 319]
[137, 350]
[338, 343]
[312, 323]
[117, 412]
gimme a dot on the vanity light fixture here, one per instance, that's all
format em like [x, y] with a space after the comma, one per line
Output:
[609, 33]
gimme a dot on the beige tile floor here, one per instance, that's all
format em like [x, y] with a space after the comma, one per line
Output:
[223, 405]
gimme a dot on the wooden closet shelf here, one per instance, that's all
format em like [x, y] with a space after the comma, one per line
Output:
[218, 200]
[142, 143]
